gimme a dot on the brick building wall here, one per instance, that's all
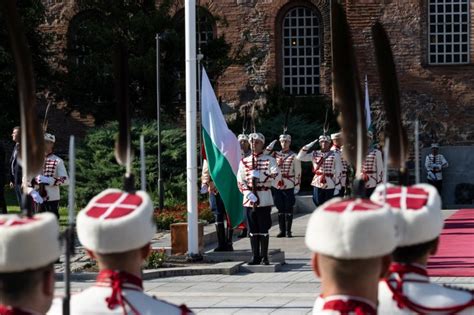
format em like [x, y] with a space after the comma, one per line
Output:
[440, 96]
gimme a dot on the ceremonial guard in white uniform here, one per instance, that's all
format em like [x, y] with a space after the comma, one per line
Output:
[434, 164]
[256, 175]
[244, 152]
[29, 248]
[116, 228]
[407, 289]
[224, 235]
[337, 147]
[351, 241]
[372, 169]
[284, 194]
[327, 168]
[45, 187]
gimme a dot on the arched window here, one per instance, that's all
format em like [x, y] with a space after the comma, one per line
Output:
[301, 51]
[448, 39]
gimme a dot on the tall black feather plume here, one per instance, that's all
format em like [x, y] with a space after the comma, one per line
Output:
[398, 150]
[123, 146]
[32, 138]
[347, 95]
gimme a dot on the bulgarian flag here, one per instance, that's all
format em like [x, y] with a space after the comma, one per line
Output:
[222, 152]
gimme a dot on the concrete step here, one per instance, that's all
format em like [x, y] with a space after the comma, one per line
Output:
[273, 267]
[275, 256]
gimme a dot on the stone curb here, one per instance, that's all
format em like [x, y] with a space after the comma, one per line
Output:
[225, 268]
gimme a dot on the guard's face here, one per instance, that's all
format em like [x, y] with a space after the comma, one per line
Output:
[337, 142]
[256, 145]
[16, 135]
[285, 144]
[325, 145]
[48, 147]
[244, 145]
[434, 151]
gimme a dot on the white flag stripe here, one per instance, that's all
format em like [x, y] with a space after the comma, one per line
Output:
[216, 126]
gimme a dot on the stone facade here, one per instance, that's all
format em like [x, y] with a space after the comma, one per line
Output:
[441, 97]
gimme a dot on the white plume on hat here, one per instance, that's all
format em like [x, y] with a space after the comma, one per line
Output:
[49, 137]
[418, 208]
[352, 229]
[115, 221]
[28, 243]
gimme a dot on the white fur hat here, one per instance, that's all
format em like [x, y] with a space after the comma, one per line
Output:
[324, 138]
[28, 243]
[243, 137]
[49, 137]
[418, 208]
[435, 146]
[257, 136]
[351, 229]
[337, 135]
[115, 221]
[284, 137]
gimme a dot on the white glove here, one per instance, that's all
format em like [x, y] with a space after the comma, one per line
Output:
[309, 145]
[336, 191]
[256, 173]
[40, 179]
[251, 196]
[204, 189]
[36, 197]
[271, 145]
[296, 190]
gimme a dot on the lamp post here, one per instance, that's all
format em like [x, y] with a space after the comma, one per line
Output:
[158, 106]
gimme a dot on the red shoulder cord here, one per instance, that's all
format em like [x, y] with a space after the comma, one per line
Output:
[404, 302]
[350, 307]
[8, 310]
[116, 280]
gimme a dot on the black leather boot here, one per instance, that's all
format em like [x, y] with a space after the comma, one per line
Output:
[221, 238]
[281, 223]
[264, 239]
[255, 243]
[230, 234]
[289, 222]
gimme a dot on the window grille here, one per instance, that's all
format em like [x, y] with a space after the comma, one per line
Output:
[301, 51]
[448, 36]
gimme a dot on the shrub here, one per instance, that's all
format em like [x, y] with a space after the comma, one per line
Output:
[97, 168]
[156, 259]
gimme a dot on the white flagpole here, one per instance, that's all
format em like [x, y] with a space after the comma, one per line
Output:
[142, 163]
[368, 119]
[191, 137]
[417, 152]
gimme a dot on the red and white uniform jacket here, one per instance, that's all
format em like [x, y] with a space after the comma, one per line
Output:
[434, 165]
[117, 293]
[206, 178]
[343, 179]
[9, 310]
[327, 167]
[268, 173]
[53, 167]
[344, 305]
[290, 168]
[372, 169]
[407, 290]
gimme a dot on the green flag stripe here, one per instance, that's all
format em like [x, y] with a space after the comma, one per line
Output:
[225, 180]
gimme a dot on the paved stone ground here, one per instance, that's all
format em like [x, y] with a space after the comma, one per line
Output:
[291, 291]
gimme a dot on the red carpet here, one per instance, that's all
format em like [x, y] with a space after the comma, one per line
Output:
[455, 257]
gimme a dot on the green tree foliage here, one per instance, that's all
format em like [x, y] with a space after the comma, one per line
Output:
[33, 14]
[98, 170]
[93, 33]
